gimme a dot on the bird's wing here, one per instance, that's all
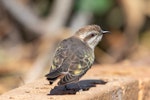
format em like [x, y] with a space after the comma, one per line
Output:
[78, 67]
[58, 60]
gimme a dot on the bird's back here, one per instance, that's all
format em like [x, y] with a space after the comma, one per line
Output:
[72, 56]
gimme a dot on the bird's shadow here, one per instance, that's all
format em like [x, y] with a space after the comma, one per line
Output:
[72, 88]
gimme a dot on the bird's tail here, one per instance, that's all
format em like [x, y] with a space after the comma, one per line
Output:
[51, 80]
[52, 76]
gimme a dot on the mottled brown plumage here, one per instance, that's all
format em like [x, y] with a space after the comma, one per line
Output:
[75, 55]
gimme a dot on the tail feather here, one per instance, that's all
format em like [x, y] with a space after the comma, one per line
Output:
[52, 76]
[51, 80]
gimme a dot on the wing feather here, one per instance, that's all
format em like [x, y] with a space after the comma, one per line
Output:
[79, 66]
[72, 57]
[58, 61]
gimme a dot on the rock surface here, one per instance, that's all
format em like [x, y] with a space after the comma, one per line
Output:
[100, 83]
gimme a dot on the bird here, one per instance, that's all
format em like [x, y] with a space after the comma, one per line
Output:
[74, 56]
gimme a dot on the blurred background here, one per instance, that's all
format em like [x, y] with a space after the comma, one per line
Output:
[31, 29]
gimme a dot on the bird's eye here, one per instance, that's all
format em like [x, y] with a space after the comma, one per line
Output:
[93, 34]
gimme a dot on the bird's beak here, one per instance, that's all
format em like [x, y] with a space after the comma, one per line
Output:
[105, 32]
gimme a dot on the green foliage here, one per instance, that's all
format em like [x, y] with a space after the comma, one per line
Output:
[95, 6]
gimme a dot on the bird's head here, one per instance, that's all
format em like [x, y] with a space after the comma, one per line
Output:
[91, 35]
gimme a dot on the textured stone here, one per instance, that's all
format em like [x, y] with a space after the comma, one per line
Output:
[100, 83]
[144, 87]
